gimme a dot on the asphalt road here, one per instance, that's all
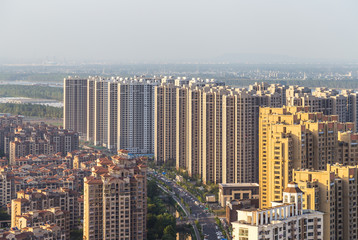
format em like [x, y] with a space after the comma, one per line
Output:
[198, 212]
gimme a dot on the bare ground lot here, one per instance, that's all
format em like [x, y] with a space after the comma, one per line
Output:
[50, 121]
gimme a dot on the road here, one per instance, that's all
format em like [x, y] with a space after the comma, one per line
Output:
[197, 210]
[186, 211]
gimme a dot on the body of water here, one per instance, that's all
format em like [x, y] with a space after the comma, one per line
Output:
[39, 101]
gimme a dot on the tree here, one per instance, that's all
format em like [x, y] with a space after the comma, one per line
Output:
[169, 233]
[31, 92]
[4, 215]
[76, 234]
[158, 217]
[31, 110]
[152, 189]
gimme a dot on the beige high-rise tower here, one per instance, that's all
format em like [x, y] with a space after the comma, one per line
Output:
[215, 129]
[333, 192]
[194, 132]
[101, 113]
[113, 110]
[115, 203]
[239, 127]
[165, 123]
[293, 138]
[121, 113]
[75, 105]
[136, 116]
[90, 109]
[181, 126]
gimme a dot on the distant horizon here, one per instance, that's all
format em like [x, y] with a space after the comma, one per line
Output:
[140, 31]
[240, 58]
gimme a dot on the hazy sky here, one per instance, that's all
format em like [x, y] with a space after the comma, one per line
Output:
[176, 30]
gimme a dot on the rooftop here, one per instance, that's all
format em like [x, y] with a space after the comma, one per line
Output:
[238, 185]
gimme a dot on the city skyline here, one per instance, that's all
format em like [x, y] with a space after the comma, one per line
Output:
[178, 120]
[244, 141]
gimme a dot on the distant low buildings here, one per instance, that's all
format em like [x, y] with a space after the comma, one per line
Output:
[237, 191]
[210, 198]
[18, 139]
[33, 203]
[46, 231]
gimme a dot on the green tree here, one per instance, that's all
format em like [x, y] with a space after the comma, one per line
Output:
[4, 215]
[158, 217]
[76, 234]
[169, 233]
[31, 110]
[152, 189]
[32, 92]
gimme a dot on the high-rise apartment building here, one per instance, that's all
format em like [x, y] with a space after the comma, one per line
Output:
[333, 192]
[209, 130]
[113, 112]
[165, 123]
[328, 101]
[347, 148]
[352, 105]
[90, 122]
[119, 112]
[239, 128]
[319, 194]
[75, 104]
[194, 132]
[181, 127]
[273, 95]
[115, 203]
[136, 115]
[101, 108]
[294, 138]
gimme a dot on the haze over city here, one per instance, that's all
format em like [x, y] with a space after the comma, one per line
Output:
[162, 31]
[178, 120]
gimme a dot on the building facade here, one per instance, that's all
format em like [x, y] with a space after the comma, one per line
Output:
[333, 192]
[284, 220]
[294, 138]
[119, 112]
[237, 191]
[75, 104]
[115, 203]
[207, 129]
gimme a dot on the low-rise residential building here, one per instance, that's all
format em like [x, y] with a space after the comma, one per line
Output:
[18, 139]
[284, 220]
[46, 232]
[33, 200]
[37, 218]
[237, 191]
[234, 205]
